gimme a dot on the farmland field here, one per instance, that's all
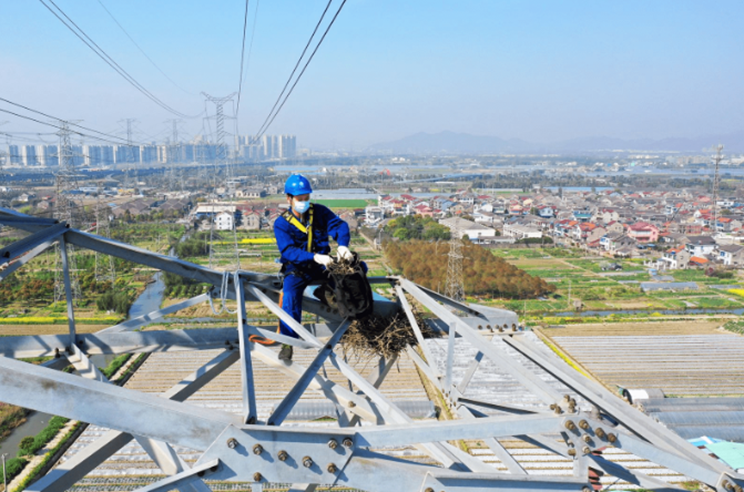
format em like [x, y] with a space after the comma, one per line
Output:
[698, 327]
[339, 204]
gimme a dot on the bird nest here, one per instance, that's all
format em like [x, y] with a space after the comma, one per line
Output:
[382, 336]
[375, 335]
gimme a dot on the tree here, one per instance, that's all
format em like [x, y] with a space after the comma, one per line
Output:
[483, 272]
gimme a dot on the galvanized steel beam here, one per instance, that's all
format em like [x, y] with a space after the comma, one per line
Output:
[28, 243]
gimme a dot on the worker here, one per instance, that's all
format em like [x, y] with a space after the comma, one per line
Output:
[302, 238]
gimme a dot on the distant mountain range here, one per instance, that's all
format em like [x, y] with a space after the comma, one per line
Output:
[465, 143]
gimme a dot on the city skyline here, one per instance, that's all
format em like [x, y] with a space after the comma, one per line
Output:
[243, 149]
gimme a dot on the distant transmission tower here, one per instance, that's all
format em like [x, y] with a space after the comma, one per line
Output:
[454, 288]
[221, 158]
[130, 152]
[65, 209]
[221, 161]
[175, 156]
[716, 185]
[104, 266]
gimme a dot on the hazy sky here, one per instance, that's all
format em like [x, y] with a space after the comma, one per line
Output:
[536, 70]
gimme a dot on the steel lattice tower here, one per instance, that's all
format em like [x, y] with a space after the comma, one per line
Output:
[221, 161]
[454, 288]
[716, 185]
[104, 270]
[65, 210]
[221, 158]
[130, 152]
[175, 156]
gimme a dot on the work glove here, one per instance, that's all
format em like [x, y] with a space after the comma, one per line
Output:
[344, 253]
[324, 260]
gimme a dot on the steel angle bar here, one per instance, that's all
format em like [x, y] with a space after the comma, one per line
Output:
[164, 456]
[68, 289]
[450, 356]
[694, 469]
[501, 407]
[120, 342]
[28, 243]
[84, 366]
[498, 449]
[531, 381]
[381, 280]
[373, 472]
[145, 319]
[398, 435]
[442, 452]
[465, 308]
[185, 477]
[376, 378]
[19, 262]
[283, 315]
[278, 337]
[84, 461]
[635, 421]
[634, 477]
[250, 414]
[469, 373]
[110, 406]
[144, 257]
[432, 376]
[285, 406]
[331, 390]
[414, 325]
[67, 473]
[11, 218]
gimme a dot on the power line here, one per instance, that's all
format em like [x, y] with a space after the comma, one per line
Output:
[107, 59]
[299, 60]
[55, 118]
[141, 50]
[266, 127]
[242, 54]
[59, 127]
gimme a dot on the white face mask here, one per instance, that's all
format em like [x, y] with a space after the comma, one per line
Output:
[301, 207]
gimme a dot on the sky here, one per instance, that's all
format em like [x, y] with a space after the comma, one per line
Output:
[541, 71]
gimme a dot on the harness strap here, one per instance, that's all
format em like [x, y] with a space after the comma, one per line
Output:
[290, 217]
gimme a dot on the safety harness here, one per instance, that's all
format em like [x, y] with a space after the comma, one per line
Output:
[290, 217]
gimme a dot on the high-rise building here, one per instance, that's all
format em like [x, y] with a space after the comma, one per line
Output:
[28, 155]
[15, 154]
[267, 147]
[287, 146]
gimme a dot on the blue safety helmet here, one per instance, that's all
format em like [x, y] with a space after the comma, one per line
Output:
[297, 184]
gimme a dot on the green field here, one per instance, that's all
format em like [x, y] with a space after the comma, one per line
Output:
[339, 204]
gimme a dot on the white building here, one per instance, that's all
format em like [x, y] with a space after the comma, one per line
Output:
[468, 228]
[373, 214]
[224, 221]
[518, 231]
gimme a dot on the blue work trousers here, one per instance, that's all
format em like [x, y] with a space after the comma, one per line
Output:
[294, 286]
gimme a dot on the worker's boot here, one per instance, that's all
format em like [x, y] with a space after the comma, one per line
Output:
[286, 352]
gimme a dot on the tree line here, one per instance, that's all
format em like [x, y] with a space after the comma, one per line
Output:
[417, 227]
[484, 274]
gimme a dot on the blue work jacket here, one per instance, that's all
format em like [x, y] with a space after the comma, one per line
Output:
[292, 242]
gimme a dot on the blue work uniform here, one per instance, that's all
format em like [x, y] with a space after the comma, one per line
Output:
[298, 265]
